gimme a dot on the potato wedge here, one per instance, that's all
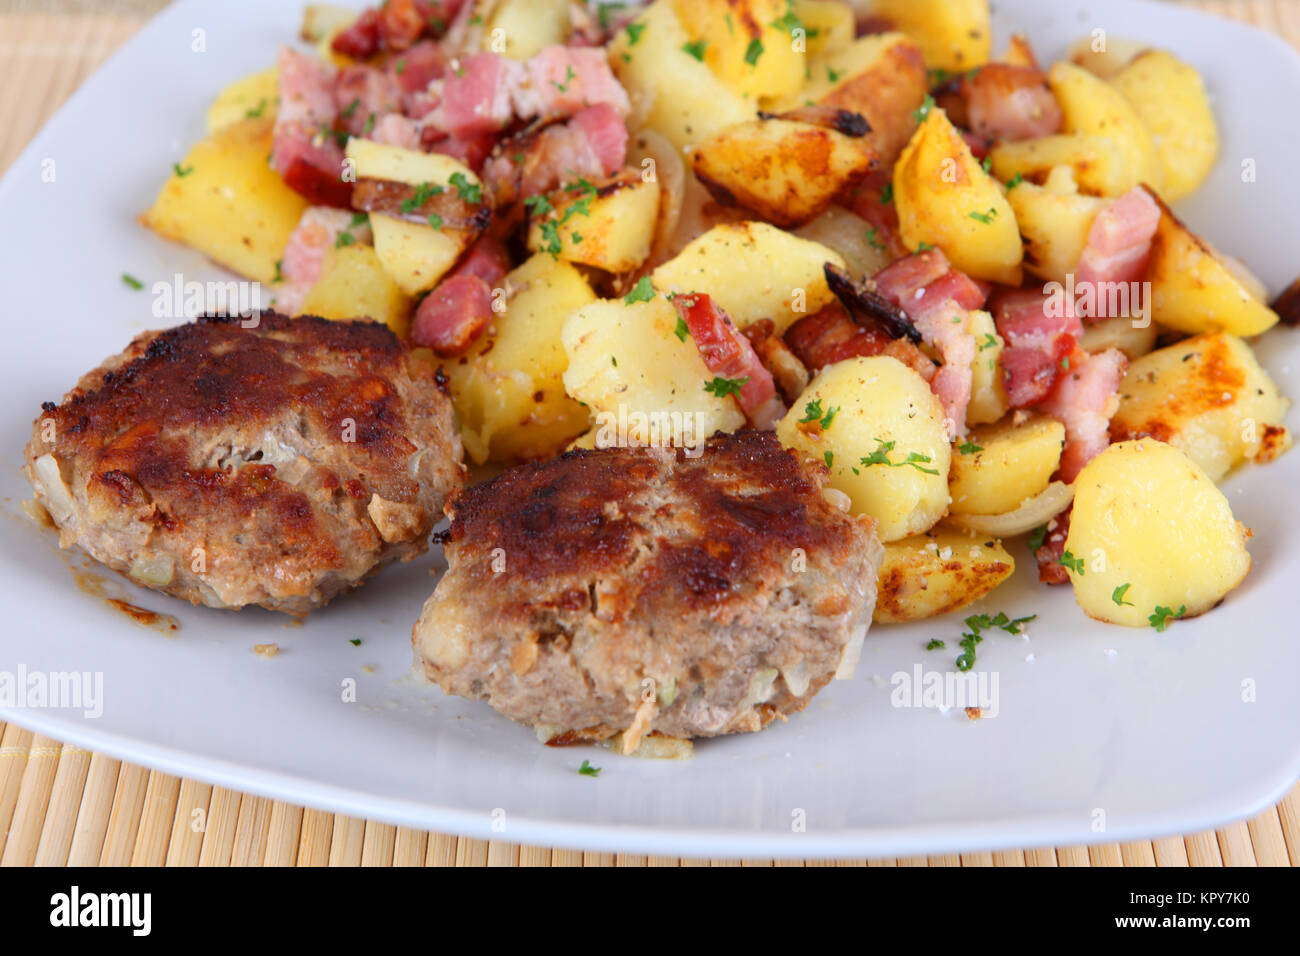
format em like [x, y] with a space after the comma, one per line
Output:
[1169, 96]
[882, 76]
[829, 25]
[521, 28]
[509, 389]
[1091, 105]
[609, 224]
[1207, 396]
[644, 384]
[1119, 333]
[229, 204]
[1193, 290]
[678, 95]
[954, 35]
[1151, 539]
[885, 444]
[754, 271]
[1004, 465]
[788, 172]
[1104, 56]
[988, 397]
[1098, 169]
[374, 160]
[936, 573]
[746, 43]
[414, 254]
[256, 96]
[354, 285]
[944, 198]
[1054, 225]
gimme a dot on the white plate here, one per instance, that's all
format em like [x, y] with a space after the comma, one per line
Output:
[1107, 734]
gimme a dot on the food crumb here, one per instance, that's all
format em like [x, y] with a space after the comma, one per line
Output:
[974, 713]
[266, 650]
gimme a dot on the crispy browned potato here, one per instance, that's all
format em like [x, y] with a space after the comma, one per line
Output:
[938, 572]
[785, 170]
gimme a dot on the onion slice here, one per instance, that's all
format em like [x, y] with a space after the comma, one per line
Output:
[1036, 511]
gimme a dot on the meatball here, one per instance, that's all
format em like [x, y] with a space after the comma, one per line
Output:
[274, 465]
[641, 591]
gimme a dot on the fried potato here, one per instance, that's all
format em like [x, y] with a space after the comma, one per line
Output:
[1005, 465]
[885, 444]
[754, 271]
[788, 172]
[354, 285]
[1149, 531]
[526, 26]
[509, 389]
[256, 96]
[1207, 396]
[1170, 98]
[1091, 105]
[1120, 333]
[954, 35]
[625, 360]
[881, 76]
[746, 43]
[1193, 290]
[937, 572]
[988, 397]
[945, 199]
[829, 25]
[1054, 221]
[678, 95]
[1098, 169]
[610, 226]
[227, 203]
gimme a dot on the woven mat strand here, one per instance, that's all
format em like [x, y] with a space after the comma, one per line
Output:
[63, 805]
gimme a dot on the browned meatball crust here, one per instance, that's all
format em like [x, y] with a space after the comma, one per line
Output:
[640, 590]
[274, 465]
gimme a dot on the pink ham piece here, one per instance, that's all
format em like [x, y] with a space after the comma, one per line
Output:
[394, 129]
[590, 145]
[1084, 400]
[1006, 103]
[303, 149]
[1039, 341]
[476, 95]
[316, 233]
[1117, 248]
[560, 81]
[415, 69]
[728, 354]
[459, 308]
[362, 94]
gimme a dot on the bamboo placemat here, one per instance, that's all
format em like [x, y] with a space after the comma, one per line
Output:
[61, 804]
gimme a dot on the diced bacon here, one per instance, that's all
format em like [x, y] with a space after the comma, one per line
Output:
[605, 133]
[1084, 400]
[1117, 248]
[401, 22]
[727, 353]
[590, 145]
[316, 233]
[394, 129]
[415, 69]
[830, 336]
[488, 259]
[946, 329]
[1050, 569]
[899, 281]
[363, 94]
[1040, 339]
[303, 150]
[361, 39]
[863, 200]
[560, 81]
[979, 146]
[1007, 103]
[476, 95]
[472, 151]
[453, 315]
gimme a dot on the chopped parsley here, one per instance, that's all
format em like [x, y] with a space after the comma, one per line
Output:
[979, 623]
[830, 458]
[923, 247]
[753, 51]
[643, 291]
[833, 76]
[355, 642]
[470, 192]
[696, 49]
[568, 78]
[423, 193]
[279, 275]
[256, 111]
[1015, 181]
[812, 412]
[984, 217]
[921, 112]
[1163, 615]
[1037, 537]
[873, 241]
[969, 448]
[887, 194]
[722, 387]
[551, 238]
[350, 108]
[587, 770]
[986, 163]
[990, 341]
[435, 220]
[1070, 562]
[370, 124]
[180, 170]
[682, 330]
[399, 66]
[345, 238]
[935, 645]
[1118, 596]
[132, 281]
[634, 31]
[881, 457]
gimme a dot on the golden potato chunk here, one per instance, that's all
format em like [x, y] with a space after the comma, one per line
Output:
[1004, 465]
[1207, 396]
[256, 96]
[354, 285]
[1151, 538]
[955, 35]
[608, 224]
[936, 573]
[1091, 105]
[746, 43]
[1054, 223]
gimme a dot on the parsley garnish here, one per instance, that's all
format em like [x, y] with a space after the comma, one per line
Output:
[132, 281]
[753, 51]
[982, 622]
[1015, 181]
[887, 194]
[279, 276]
[682, 329]
[830, 458]
[873, 241]
[399, 66]
[984, 217]
[568, 78]
[470, 192]
[922, 111]
[1072, 563]
[833, 76]
[1037, 537]
[643, 291]
[256, 111]
[370, 124]
[1118, 596]
[634, 31]
[423, 193]
[935, 645]
[969, 448]
[812, 412]
[435, 220]
[696, 49]
[1163, 615]
[881, 457]
[345, 238]
[990, 341]
[180, 170]
[722, 387]
[587, 770]
[355, 642]
[986, 163]
[350, 108]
